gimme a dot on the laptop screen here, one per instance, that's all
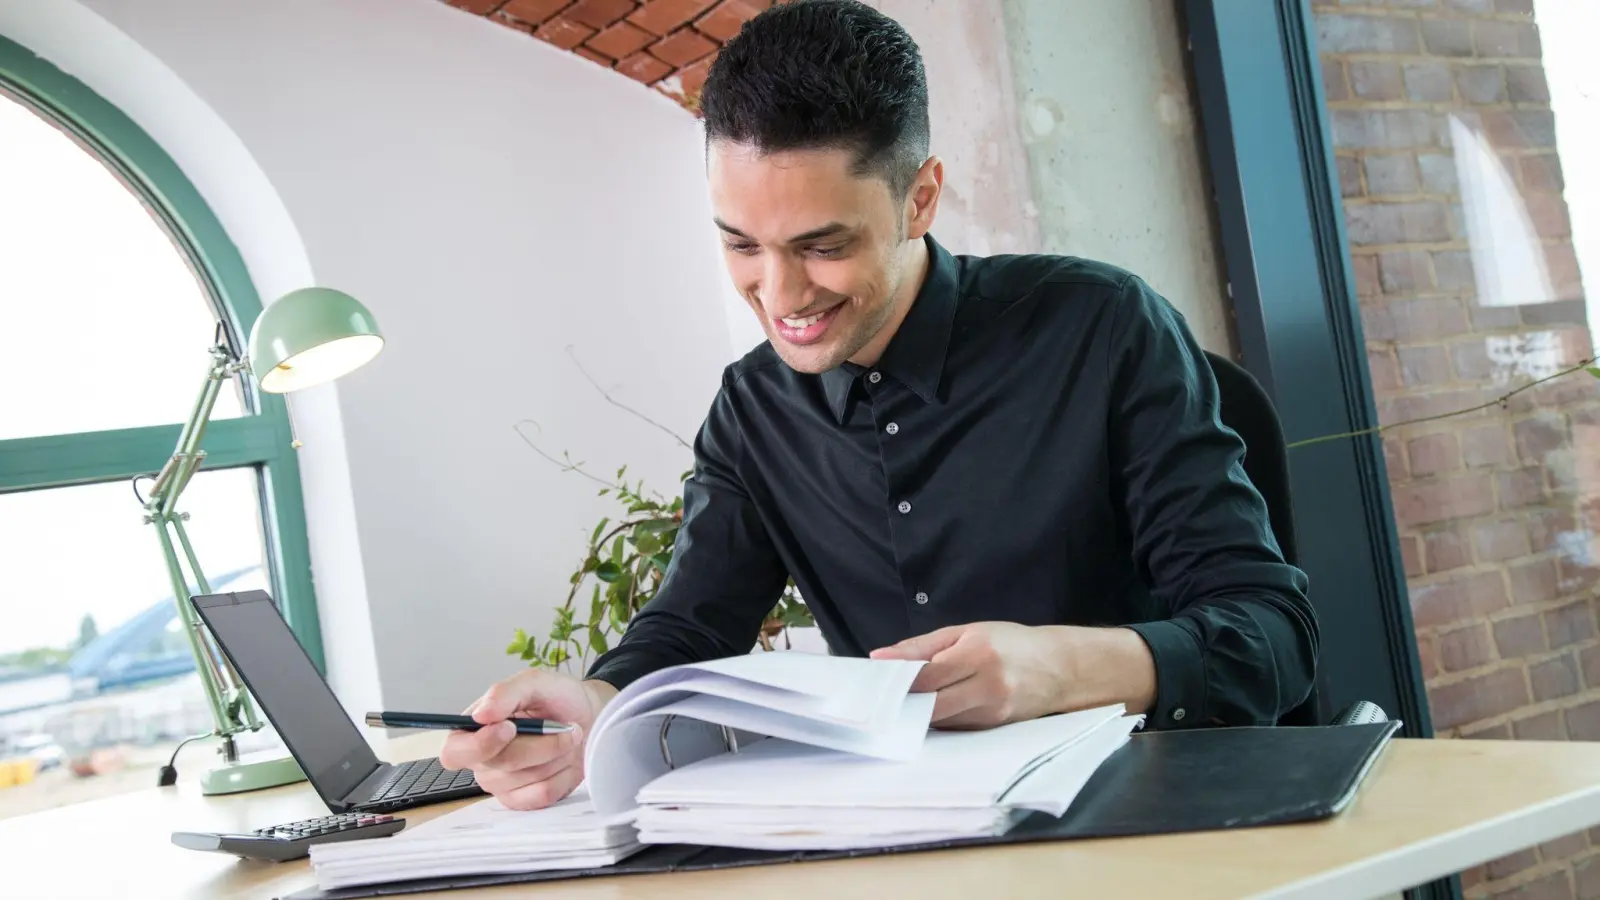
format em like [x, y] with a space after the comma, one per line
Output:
[289, 690]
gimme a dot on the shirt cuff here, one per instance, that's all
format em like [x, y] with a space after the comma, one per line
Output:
[1180, 675]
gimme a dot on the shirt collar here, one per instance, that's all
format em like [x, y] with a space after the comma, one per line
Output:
[916, 354]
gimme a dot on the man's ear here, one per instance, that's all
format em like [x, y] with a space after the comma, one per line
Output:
[922, 200]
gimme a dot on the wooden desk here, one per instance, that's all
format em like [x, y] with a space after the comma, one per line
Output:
[1428, 808]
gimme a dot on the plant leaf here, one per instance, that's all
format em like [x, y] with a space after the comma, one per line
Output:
[598, 529]
[661, 561]
[1593, 370]
[597, 607]
[608, 572]
[597, 639]
[519, 643]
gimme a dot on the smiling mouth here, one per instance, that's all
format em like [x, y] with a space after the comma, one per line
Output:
[806, 329]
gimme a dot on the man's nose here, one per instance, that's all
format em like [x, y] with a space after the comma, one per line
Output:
[783, 286]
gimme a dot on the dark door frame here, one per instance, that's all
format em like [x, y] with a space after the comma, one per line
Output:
[1281, 223]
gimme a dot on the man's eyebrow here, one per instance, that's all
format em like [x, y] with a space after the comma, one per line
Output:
[828, 230]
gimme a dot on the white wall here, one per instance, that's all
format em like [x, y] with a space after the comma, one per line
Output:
[489, 221]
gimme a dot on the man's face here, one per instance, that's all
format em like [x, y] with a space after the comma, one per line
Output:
[818, 252]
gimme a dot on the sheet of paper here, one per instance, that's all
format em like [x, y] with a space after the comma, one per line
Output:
[1052, 787]
[898, 735]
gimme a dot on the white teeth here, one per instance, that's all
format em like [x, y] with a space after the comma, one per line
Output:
[802, 323]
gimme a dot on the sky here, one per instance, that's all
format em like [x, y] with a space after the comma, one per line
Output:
[102, 325]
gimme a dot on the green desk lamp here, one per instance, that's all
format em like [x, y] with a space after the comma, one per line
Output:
[308, 337]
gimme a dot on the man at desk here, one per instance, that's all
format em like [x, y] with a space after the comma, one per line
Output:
[1010, 467]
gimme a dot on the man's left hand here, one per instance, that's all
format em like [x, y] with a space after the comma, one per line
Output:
[991, 673]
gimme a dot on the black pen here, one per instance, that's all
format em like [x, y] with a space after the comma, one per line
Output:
[459, 723]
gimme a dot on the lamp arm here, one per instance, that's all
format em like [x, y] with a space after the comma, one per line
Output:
[231, 710]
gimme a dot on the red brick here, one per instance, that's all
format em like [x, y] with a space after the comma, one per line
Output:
[1366, 34]
[1427, 658]
[621, 40]
[563, 32]
[534, 12]
[1415, 407]
[1511, 864]
[1376, 80]
[1452, 270]
[682, 47]
[1434, 454]
[1392, 174]
[1542, 172]
[1453, 498]
[1586, 874]
[662, 17]
[1562, 262]
[1570, 624]
[1589, 663]
[1554, 678]
[1477, 698]
[1539, 436]
[1527, 84]
[1485, 445]
[1429, 82]
[1473, 6]
[693, 76]
[723, 22]
[512, 22]
[1493, 38]
[1349, 176]
[1374, 224]
[1446, 550]
[1420, 319]
[1575, 574]
[1519, 488]
[1403, 271]
[1501, 732]
[1554, 886]
[1546, 528]
[1334, 87]
[1533, 582]
[1464, 597]
[1514, 7]
[1520, 635]
[1465, 648]
[1411, 554]
[1385, 129]
[1427, 366]
[644, 68]
[1548, 213]
[1438, 173]
[477, 7]
[1542, 727]
[1447, 37]
[594, 56]
[1500, 540]
[1583, 722]
[1481, 84]
[597, 14]
[1564, 847]
[1383, 369]
[1516, 128]
[1394, 458]
[1366, 271]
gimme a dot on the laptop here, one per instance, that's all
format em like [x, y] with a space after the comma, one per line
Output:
[329, 747]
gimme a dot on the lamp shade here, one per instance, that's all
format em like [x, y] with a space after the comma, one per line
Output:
[310, 336]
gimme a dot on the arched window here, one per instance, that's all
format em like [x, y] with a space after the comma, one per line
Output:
[115, 278]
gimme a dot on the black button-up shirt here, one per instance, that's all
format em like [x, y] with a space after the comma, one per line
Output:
[1039, 443]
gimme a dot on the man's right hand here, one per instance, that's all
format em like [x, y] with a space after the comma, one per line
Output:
[528, 771]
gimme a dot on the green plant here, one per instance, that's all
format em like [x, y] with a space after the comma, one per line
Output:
[622, 568]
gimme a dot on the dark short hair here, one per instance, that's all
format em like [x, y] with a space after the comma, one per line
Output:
[823, 74]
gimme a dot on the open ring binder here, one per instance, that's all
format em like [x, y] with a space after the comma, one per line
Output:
[729, 740]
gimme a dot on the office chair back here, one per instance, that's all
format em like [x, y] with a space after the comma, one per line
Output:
[1246, 408]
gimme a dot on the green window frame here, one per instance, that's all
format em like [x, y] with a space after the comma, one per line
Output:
[261, 438]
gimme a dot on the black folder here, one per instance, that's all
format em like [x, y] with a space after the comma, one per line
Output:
[1160, 782]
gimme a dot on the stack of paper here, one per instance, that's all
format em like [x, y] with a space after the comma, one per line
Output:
[784, 795]
[482, 838]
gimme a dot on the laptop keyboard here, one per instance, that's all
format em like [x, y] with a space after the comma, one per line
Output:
[421, 776]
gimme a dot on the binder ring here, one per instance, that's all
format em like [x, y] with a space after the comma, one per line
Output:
[728, 740]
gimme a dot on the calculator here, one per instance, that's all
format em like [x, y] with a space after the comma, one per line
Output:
[291, 840]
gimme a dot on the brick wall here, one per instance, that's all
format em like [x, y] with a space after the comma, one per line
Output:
[1493, 508]
[665, 44]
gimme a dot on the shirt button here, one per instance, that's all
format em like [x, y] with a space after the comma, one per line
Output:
[905, 506]
[1178, 714]
[875, 377]
[921, 597]
[892, 428]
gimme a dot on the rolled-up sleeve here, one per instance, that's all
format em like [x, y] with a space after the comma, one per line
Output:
[724, 575]
[1239, 642]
